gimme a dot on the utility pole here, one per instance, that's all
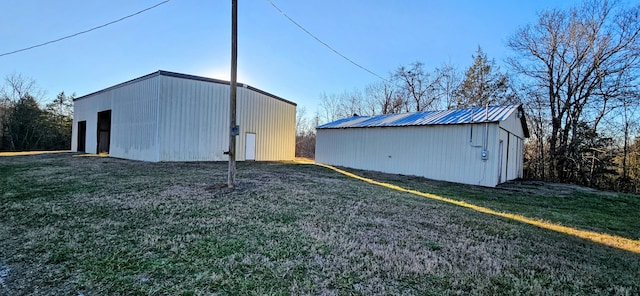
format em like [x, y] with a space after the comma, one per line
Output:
[233, 128]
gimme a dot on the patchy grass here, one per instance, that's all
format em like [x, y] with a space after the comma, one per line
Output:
[570, 205]
[94, 226]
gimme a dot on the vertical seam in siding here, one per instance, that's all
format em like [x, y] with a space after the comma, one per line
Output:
[158, 101]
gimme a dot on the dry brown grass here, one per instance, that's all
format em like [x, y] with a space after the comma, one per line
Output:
[107, 226]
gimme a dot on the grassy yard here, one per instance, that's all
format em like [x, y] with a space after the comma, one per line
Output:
[95, 226]
[566, 204]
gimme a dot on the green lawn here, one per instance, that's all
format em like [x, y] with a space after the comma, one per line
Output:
[96, 226]
[569, 205]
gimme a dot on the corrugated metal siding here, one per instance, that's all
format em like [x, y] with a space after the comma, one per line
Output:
[512, 158]
[173, 118]
[134, 130]
[133, 119]
[272, 121]
[435, 152]
[85, 110]
[460, 116]
[513, 127]
[501, 172]
[513, 169]
[429, 144]
[194, 122]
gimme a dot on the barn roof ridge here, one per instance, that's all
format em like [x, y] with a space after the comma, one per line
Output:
[437, 117]
[184, 76]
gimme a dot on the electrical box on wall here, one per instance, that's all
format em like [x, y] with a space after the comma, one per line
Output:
[484, 154]
[235, 130]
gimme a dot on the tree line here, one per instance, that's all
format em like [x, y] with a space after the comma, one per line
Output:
[414, 88]
[26, 124]
[577, 73]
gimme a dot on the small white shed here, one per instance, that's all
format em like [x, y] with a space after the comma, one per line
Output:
[166, 116]
[478, 146]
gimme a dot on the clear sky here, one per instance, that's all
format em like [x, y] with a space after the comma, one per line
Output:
[193, 37]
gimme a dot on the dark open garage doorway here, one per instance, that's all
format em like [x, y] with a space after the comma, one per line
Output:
[82, 136]
[104, 131]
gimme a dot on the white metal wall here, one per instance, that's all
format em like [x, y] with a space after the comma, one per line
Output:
[273, 121]
[194, 122]
[82, 110]
[439, 152]
[134, 108]
[512, 133]
[513, 125]
[167, 118]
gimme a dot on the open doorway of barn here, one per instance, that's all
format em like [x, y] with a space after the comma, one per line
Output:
[82, 136]
[104, 131]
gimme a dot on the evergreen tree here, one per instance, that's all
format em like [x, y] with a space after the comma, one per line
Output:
[484, 84]
[59, 122]
[25, 125]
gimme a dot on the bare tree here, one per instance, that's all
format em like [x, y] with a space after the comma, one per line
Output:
[303, 124]
[537, 119]
[305, 134]
[447, 81]
[634, 165]
[17, 86]
[417, 87]
[386, 98]
[581, 58]
[330, 108]
[629, 116]
[25, 124]
[355, 103]
[348, 103]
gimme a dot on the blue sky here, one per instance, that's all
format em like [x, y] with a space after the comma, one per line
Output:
[193, 37]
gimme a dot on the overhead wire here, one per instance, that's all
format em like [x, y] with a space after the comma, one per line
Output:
[347, 58]
[83, 32]
[324, 43]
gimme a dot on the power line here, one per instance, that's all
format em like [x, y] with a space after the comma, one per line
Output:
[85, 31]
[324, 43]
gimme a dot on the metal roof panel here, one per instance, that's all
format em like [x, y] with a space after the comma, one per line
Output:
[457, 116]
